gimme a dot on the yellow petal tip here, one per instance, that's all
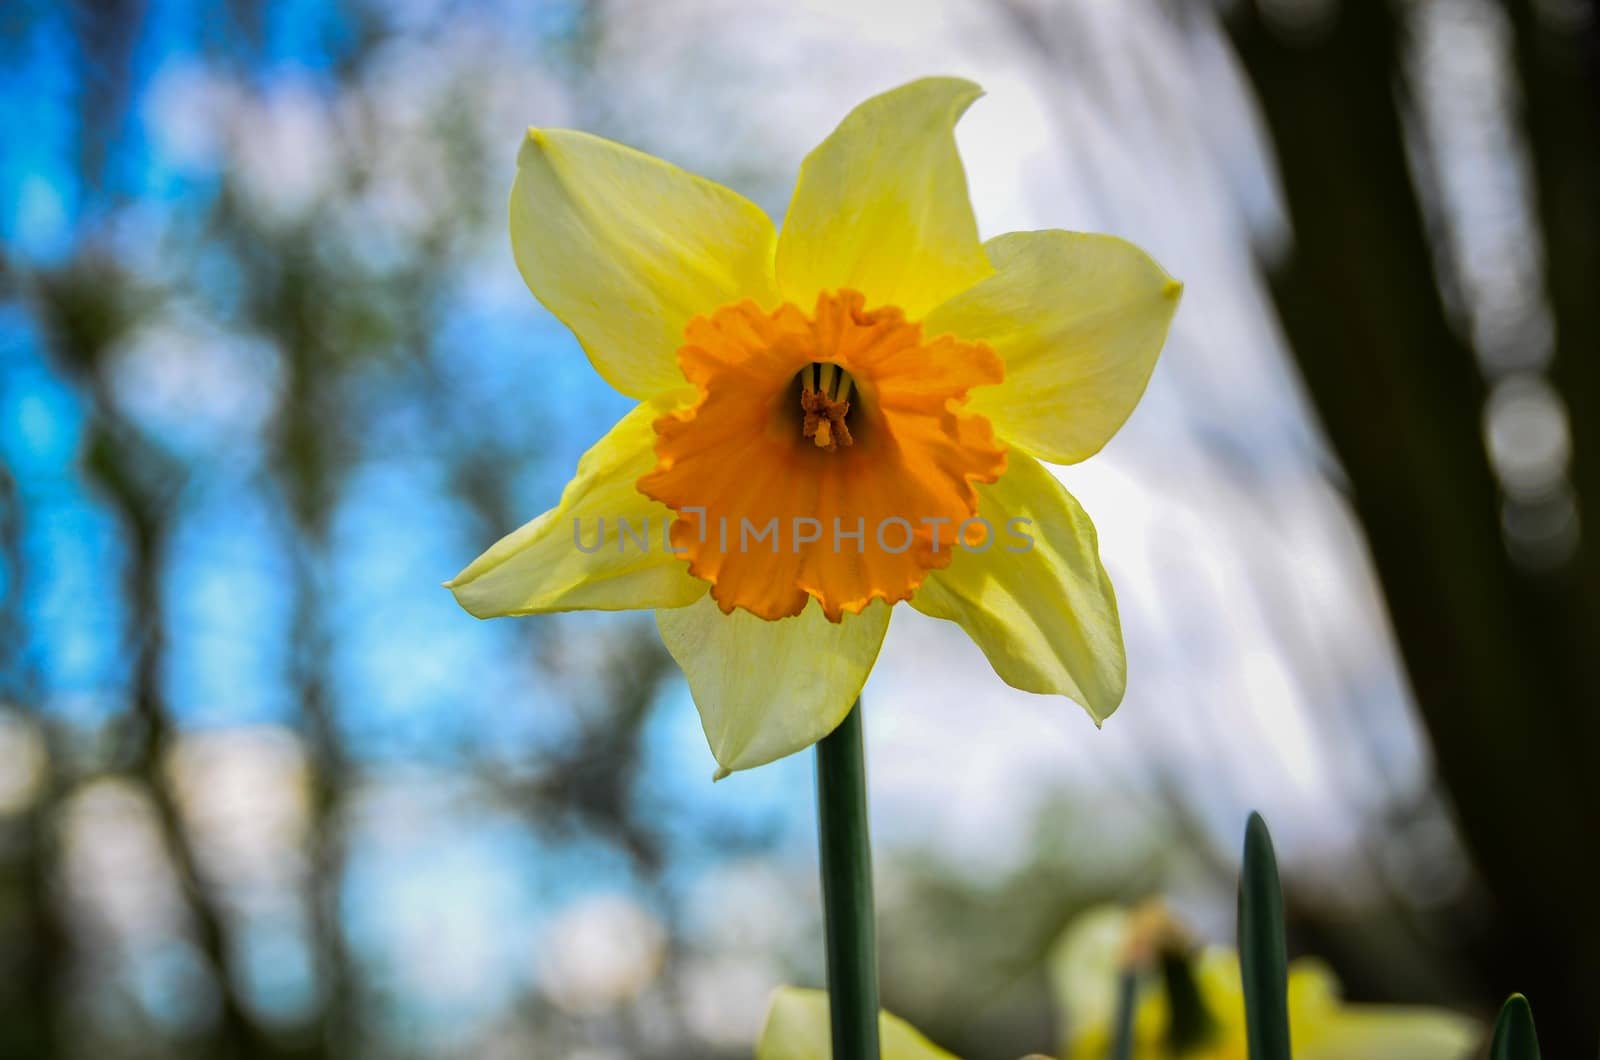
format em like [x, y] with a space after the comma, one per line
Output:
[722, 771]
[966, 85]
[536, 143]
[963, 92]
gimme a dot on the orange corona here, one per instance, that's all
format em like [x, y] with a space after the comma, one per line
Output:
[848, 417]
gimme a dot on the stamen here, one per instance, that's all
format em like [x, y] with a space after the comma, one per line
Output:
[824, 411]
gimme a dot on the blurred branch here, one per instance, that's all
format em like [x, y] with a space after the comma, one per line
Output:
[86, 307]
[283, 302]
[106, 32]
[590, 780]
[112, 460]
[12, 638]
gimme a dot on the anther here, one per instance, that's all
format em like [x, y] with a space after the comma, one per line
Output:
[825, 400]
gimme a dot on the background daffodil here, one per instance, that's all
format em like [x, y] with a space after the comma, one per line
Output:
[1323, 1027]
[1092, 955]
[873, 366]
[797, 1029]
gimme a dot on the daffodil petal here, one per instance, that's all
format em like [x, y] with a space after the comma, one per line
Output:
[881, 205]
[1323, 1028]
[624, 249]
[764, 688]
[577, 555]
[1042, 609]
[797, 1029]
[1079, 321]
[1085, 965]
[1378, 1032]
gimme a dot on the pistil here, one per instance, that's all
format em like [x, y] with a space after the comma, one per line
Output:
[825, 399]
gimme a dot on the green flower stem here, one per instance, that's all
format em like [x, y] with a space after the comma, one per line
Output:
[846, 856]
[1127, 997]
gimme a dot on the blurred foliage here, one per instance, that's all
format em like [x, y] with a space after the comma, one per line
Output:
[335, 281]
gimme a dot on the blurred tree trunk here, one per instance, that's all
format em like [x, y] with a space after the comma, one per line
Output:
[1559, 69]
[31, 932]
[1505, 688]
[284, 304]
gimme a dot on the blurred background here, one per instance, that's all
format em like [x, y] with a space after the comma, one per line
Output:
[268, 375]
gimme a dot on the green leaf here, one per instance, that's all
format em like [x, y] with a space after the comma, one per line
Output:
[1262, 957]
[1514, 1036]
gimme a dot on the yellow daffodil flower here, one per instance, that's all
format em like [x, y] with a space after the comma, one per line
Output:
[797, 1029]
[1089, 961]
[831, 421]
